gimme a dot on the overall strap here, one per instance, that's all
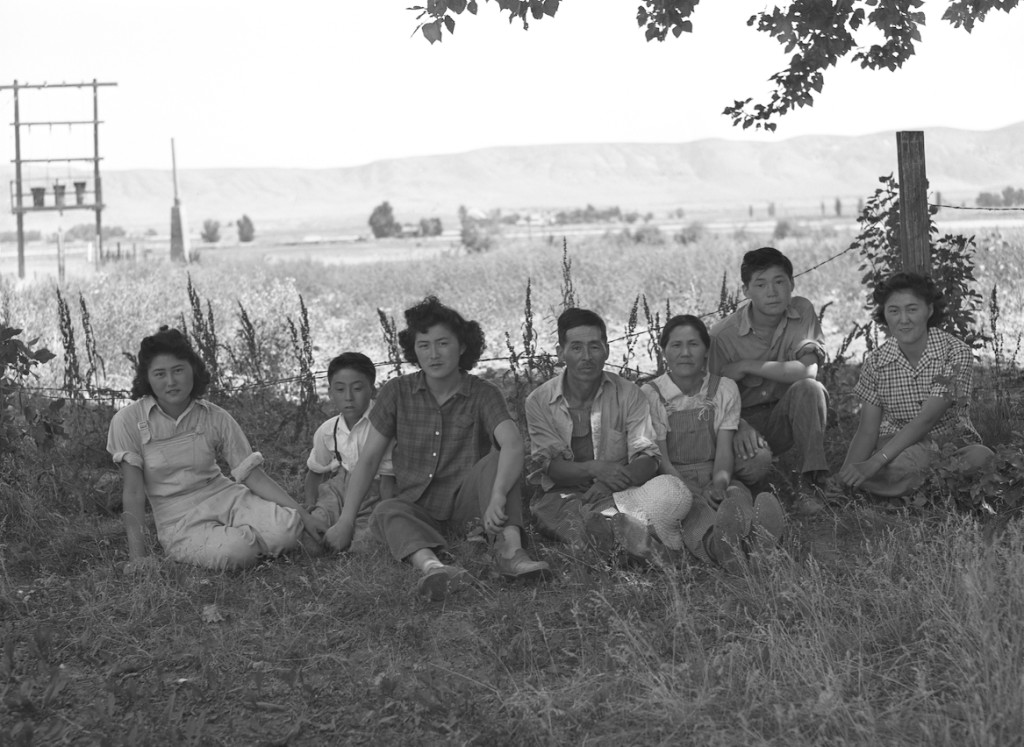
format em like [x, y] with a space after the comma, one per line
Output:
[661, 396]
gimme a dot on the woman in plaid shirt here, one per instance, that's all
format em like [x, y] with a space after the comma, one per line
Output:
[914, 392]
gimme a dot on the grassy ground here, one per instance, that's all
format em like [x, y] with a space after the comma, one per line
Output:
[869, 627]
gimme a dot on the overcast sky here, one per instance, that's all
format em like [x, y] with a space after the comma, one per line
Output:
[325, 83]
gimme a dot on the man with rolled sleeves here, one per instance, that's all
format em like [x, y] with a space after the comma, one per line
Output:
[771, 346]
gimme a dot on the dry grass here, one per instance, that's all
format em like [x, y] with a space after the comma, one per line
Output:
[868, 628]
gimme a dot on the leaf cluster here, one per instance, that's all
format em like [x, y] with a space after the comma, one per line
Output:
[816, 33]
[878, 242]
[19, 417]
[442, 13]
[995, 490]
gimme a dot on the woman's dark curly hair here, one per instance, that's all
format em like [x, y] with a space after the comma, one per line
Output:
[921, 286]
[429, 312]
[168, 341]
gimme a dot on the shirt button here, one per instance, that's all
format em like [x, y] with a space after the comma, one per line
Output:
[437, 433]
[434, 454]
[431, 474]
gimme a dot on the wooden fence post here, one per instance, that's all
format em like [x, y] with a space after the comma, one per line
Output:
[915, 248]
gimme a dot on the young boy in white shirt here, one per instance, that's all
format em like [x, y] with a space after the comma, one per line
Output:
[338, 441]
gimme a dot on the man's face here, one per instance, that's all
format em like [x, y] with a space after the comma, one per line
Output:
[438, 351]
[584, 354]
[769, 291]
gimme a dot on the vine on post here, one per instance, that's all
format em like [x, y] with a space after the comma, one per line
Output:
[878, 244]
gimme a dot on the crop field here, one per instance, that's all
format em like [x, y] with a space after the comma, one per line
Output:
[870, 625]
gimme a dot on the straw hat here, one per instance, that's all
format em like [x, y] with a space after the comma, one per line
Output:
[660, 503]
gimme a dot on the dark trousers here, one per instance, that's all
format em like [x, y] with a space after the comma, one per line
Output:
[797, 421]
[406, 527]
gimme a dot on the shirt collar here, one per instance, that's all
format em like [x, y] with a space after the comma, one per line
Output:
[342, 426]
[890, 352]
[670, 391]
[558, 391]
[746, 325]
[420, 383]
[149, 402]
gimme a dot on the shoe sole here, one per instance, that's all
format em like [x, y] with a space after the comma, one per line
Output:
[769, 522]
[727, 537]
[537, 574]
[437, 587]
[600, 534]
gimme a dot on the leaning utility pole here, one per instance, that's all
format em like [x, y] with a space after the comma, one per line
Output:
[39, 203]
[179, 228]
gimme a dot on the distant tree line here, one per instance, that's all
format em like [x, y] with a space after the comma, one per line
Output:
[12, 236]
[589, 214]
[1010, 197]
[383, 224]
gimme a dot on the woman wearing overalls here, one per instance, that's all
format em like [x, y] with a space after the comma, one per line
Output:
[167, 443]
[695, 416]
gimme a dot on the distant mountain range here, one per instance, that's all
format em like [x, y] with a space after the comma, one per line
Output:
[703, 177]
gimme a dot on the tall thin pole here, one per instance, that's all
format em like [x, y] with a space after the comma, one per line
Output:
[174, 172]
[96, 168]
[17, 186]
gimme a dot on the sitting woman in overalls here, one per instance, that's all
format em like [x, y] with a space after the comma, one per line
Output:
[167, 443]
[695, 416]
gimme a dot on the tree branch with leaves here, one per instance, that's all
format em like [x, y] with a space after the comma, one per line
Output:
[817, 33]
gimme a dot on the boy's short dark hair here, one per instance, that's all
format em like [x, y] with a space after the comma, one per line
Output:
[920, 285]
[430, 311]
[574, 317]
[759, 260]
[168, 341]
[356, 361]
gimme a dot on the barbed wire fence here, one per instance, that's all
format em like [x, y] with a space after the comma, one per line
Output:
[81, 389]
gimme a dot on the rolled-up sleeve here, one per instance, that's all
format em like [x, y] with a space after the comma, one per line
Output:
[243, 469]
[659, 415]
[387, 466]
[808, 337]
[124, 441]
[545, 442]
[321, 460]
[866, 389]
[232, 444]
[729, 396]
[384, 415]
[639, 429]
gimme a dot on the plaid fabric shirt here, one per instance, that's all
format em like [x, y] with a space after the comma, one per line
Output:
[435, 446]
[889, 381]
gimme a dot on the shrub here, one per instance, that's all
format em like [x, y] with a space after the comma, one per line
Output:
[879, 245]
[19, 419]
[382, 222]
[211, 231]
[478, 234]
[246, 230]
[690, 234]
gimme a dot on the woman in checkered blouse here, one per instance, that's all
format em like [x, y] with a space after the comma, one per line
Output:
[914, 391]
